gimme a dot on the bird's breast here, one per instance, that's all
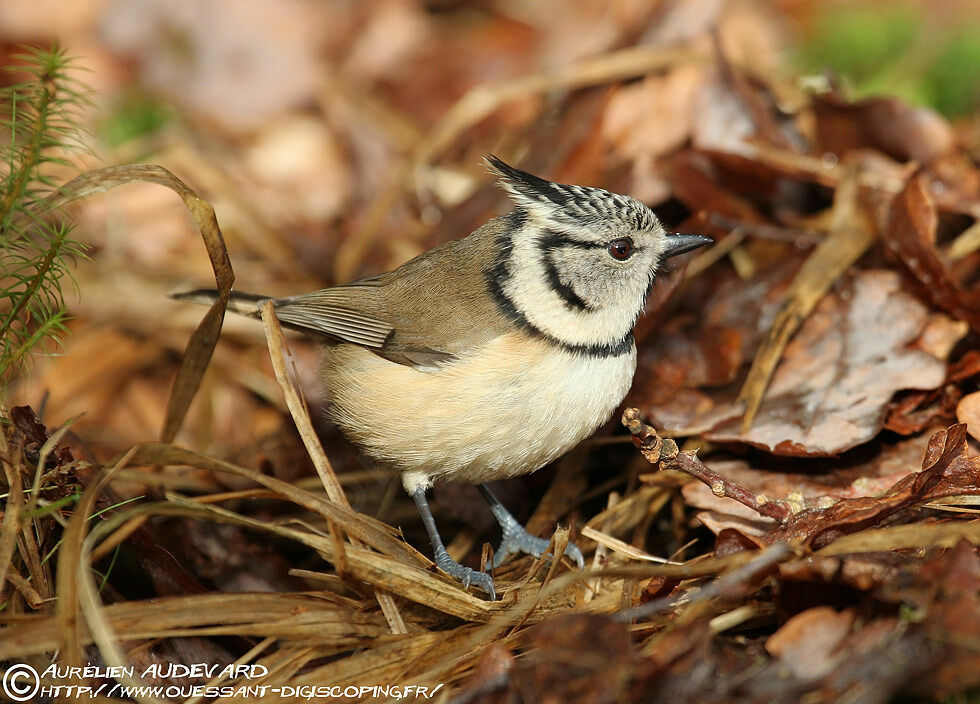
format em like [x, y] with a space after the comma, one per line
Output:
[505, 409]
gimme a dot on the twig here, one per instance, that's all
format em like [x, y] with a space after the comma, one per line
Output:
[301, 417]
[10, 525]
[297, 408]
[965, 243]
[665, 452]
[729, 586]
[623, 548]
[653, 447]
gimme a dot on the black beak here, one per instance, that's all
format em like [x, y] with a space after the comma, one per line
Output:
[679, 244]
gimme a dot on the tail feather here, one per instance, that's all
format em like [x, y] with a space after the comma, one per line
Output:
[239, 301]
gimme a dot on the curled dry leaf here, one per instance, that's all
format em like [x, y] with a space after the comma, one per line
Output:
[912, 241]
[914, 412]
[830, 391]
[850, 235]
[947, 470]
[697, 185]
[819, 483]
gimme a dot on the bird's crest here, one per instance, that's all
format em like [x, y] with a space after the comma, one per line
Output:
[569, 205]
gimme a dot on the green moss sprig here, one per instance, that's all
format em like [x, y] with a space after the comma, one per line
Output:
[38, 132]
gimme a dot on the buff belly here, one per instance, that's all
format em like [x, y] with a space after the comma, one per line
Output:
[506, 410]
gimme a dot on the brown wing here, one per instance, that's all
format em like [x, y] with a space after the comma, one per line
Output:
[423, 314]
[440, 303]
[354, 313]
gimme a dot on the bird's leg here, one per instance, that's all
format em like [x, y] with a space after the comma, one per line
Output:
[515, 536]
[466, 575]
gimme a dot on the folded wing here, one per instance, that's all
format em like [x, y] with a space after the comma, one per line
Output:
[353, 313]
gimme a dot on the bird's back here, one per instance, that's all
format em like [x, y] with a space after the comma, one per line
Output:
[439, 301]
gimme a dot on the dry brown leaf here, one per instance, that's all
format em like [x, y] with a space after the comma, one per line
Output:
[812, 485]
[947, 470]
[912, 241]
[851, 234]
[829, 392]
[809, 644]
[902, 131]
[836, 377]
[649, 119]
[968, 411]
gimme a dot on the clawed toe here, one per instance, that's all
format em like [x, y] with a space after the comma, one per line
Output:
[483, 581]
[572, 552]
[467, 576]
[516, 538]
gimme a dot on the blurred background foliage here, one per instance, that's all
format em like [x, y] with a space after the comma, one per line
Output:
[900, 49]
[132, 115]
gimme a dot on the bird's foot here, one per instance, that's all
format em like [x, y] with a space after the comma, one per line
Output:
[465, 575]
[517, 540]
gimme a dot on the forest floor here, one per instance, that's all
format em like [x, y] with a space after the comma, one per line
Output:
[783, 510]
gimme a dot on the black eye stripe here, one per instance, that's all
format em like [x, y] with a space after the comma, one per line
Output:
[496, 277]
[550, 240]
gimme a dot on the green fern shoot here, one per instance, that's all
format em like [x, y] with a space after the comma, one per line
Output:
[38, 118]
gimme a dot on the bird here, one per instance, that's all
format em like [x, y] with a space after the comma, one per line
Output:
[492, 355]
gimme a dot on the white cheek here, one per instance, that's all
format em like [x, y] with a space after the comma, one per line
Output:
[529, 290]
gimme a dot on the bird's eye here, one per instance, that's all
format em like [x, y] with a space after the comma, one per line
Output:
[621, 249]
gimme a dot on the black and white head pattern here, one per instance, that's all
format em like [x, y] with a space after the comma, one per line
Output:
[576, 263]
[574, 206]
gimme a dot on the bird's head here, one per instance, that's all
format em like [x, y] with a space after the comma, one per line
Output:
[580, 261]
